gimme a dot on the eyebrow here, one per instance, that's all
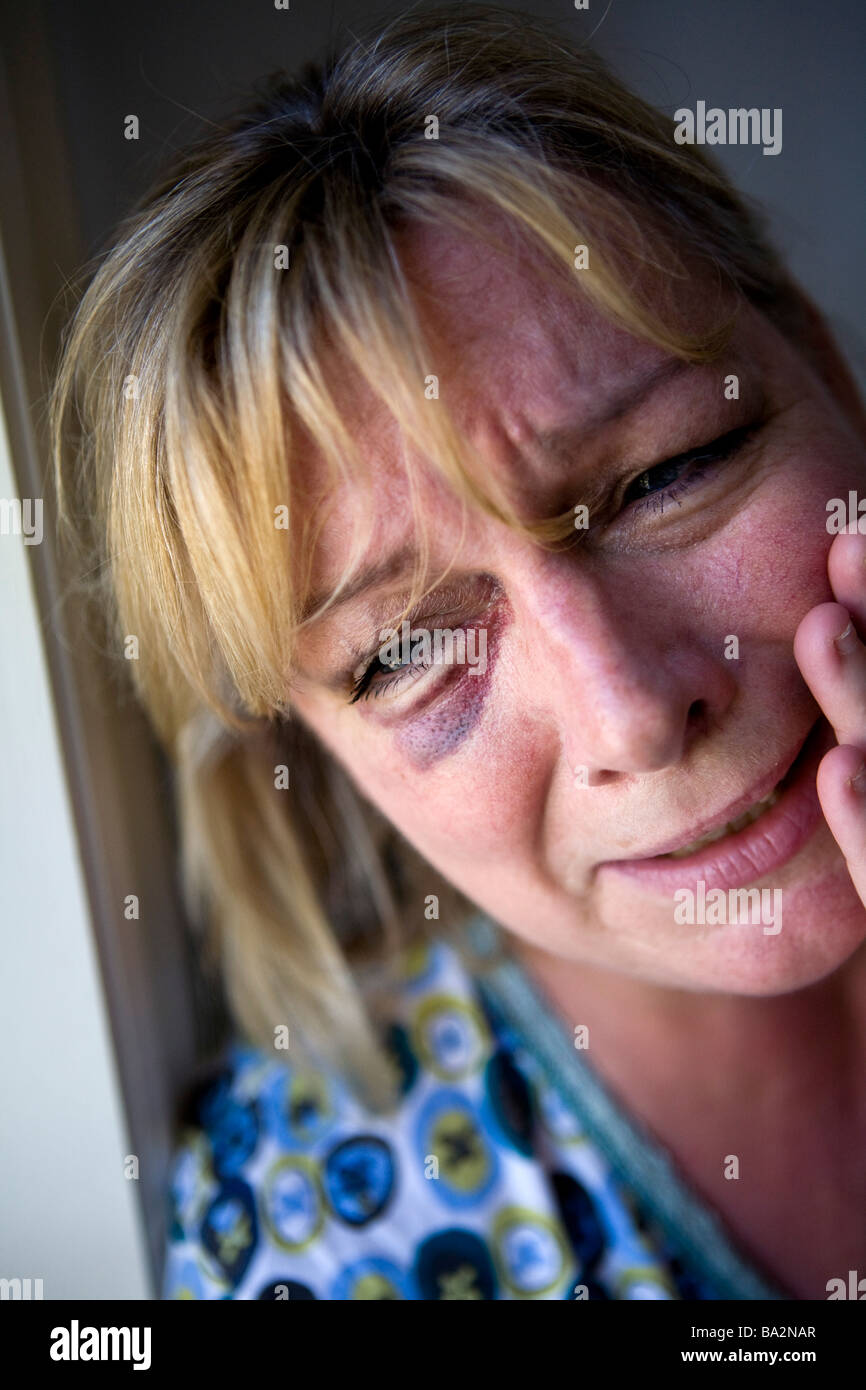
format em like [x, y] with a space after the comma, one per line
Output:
[373, 576]
[399, 563]
[614, 409]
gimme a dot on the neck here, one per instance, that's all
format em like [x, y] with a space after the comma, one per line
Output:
[644, 1027]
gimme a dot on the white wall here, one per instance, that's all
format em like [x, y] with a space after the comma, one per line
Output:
[67, 1214]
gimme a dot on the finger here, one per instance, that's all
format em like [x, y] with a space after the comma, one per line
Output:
[832, 659]
[846, 567]
[841, 786]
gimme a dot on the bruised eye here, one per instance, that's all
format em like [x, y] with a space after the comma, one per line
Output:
[380, 675]
[446, 631]
[666, 481]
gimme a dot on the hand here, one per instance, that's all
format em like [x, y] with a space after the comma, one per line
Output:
[834, 668]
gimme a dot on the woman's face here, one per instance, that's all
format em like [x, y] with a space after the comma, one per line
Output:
[640, 688]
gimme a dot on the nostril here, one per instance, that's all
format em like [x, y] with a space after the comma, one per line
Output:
[697, 720]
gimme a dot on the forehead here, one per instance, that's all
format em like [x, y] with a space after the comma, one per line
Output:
[507, 343]
[516, 357]
[512, 352]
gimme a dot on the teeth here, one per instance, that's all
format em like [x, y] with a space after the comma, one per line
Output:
[730, 828]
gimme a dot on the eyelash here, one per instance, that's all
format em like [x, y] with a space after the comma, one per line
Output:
[718, 451]
[363, 690]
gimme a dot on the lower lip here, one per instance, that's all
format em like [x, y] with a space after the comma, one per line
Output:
[746, 855]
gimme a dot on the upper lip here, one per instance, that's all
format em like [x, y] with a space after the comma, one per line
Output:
[736, 808]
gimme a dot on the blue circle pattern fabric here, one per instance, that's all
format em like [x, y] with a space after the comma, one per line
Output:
[481, 1185]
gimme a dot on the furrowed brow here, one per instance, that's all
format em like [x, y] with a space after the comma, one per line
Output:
[390, 570]
[631, 398]
[399, 565]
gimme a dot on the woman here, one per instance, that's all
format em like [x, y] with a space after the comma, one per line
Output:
[464, 462]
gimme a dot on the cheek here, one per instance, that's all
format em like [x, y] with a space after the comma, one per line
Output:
[485, 803]
[468, 778]
[480, 802]
[769, 567]
[782, 564]
[783, 542]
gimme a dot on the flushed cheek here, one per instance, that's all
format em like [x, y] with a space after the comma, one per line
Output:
[789, 535]
[780, 577]
[770, 566]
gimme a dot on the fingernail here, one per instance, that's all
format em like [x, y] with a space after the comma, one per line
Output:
[847, 641]
[858, 781]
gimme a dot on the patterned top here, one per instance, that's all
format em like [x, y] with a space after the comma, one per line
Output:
[485, 1183]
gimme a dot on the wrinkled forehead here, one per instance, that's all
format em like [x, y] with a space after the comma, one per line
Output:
[517, 361]
[507, 341]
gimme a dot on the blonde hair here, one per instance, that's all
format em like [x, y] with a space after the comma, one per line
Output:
[195, 355]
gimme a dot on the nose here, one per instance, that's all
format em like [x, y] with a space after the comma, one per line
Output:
[626, 683]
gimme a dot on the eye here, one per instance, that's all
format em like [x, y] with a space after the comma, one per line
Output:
[368, 683]
[665, 482]
[449, 634]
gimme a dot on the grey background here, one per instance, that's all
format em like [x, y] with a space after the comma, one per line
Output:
[178, 62]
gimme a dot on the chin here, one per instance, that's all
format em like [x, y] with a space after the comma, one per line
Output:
[823, 927]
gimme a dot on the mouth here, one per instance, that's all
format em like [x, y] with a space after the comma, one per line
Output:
[731, 827]
[754, 835]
